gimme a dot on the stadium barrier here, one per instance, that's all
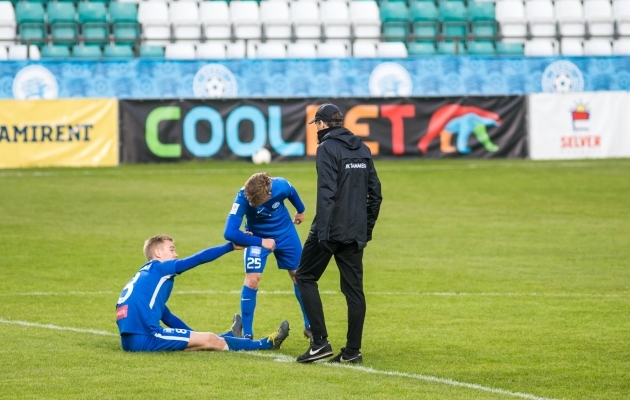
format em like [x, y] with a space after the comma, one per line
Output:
[579, 125]
[68, 132]
[469, 127]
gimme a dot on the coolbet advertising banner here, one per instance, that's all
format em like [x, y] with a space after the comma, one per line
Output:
[72, 133]
[471, 127]
[579, 125]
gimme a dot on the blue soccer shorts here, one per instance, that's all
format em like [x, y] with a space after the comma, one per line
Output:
[288, 252]
[165, 339]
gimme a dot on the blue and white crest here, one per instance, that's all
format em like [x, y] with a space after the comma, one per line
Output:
[35, 82]
[562, 77]
[214, 81]
[390, 79]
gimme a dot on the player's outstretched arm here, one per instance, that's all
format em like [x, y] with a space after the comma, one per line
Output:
[172, 321]
[204, 256]
[234, 234]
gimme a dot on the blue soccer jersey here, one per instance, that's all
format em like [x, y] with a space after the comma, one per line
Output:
[270, 220]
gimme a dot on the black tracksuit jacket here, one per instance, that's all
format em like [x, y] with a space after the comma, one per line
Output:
[348, 189]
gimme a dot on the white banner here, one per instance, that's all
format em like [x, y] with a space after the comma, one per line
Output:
[579, 125]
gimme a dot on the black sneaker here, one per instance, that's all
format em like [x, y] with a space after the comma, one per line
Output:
[237, 326]
[279, 335]
[343, 358]
[308, 333]
[316, 352]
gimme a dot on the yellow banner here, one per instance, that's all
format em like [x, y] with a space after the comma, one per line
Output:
[68, 132]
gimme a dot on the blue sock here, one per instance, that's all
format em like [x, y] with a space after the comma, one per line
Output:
[248, 305]
[238, 344]
[226, 334]
[298, 296]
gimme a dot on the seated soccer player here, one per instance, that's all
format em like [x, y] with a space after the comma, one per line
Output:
[142, 304]
[269, 229]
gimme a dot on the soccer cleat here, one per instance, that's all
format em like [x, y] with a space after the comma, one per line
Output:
[279, 335]
[308, 333]
[343, 358]
[315, 353]
[237, 326]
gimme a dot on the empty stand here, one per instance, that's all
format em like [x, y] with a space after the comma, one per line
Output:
[153, 15]
[215, 17]
[276, 19]
[245, 18]
[541, 18]
[511, 17]
[184, 16]
[332, 50]
[180, 51]
[365, 19]
[301, 50]
[391, 50]
[335, 19]
[305, 18]
[211, 51]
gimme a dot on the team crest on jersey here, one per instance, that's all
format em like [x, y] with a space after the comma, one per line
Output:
[254, 251]
[275, 205]
[121, 312]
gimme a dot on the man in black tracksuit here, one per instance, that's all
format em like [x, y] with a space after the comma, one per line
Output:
[348, 202]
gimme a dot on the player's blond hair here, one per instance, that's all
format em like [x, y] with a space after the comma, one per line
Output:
[258, 188]
[151, 243]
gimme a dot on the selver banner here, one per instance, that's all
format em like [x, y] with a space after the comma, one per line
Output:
[440, 127]
[39, 133]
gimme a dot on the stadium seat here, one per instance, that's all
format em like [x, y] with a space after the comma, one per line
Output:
[124, 19]
[305, 18]
[365, 18]
[421, 49]
[153, 15]
[179, 51]
[276, 19]
[424, 21]
[454, 19]
[480, 48]
[7, 22]
[118, 51]
[394, 20]
[449, 48]
[184, 16]
[336, 19]
[598, 47]
[236, 50]
[621, 11]
[540, 15]
[540, 48]
[570, 16]
[599, 17]
[55, 52]
[151, 51]
[483, 24]
[86, 52]
[271, 50]
[332, 50]
[211, 51]
[364, 49]
[571, 47]
[93, 20]
[3, 53]
[621, 47]
[301, 50]
[215, 17]
[30, 20]
[391, 50]
[62, 20]
[245, 17]
[510, 49]
[511, 18]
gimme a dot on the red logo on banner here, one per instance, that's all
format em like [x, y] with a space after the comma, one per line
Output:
[580, 117]
[121, 312]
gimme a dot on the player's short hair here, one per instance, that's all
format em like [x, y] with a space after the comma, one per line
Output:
[151, 243]
[258, 188]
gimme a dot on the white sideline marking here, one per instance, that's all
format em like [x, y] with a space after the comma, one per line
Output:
[285, 358]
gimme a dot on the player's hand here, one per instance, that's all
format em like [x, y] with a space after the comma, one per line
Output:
[248, 233]
[269, 244]
[238, 247]
[298, 219]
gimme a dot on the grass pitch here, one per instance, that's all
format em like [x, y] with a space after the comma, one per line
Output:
[485, 280]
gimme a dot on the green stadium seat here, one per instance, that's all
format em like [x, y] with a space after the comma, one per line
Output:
[481, 49]
[124, 19]
[454, 18]
[30, 20]
[149, 51]
[424, 21]
[421, 49]
[510, 49]
[395, 21]
[93, 20]
[118, 51]
[482, 20]
[86, 52]
[448, 48]
[61, 17]
[55, 52]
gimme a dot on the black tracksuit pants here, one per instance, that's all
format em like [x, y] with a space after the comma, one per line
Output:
[349, 259]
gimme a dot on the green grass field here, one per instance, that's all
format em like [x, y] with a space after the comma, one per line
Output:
[485, 280]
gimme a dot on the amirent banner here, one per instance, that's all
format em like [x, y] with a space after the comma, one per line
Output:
[445, 127]
[73, 133]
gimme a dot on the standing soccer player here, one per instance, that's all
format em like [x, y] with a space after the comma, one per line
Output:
[261, 202]
[142, 305]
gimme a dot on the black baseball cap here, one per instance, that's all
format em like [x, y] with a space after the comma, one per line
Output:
[325, 113]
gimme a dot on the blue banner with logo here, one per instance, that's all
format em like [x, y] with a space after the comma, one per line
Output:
[439, 75]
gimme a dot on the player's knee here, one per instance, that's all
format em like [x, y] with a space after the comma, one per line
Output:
[214, 342]
[252, 281]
